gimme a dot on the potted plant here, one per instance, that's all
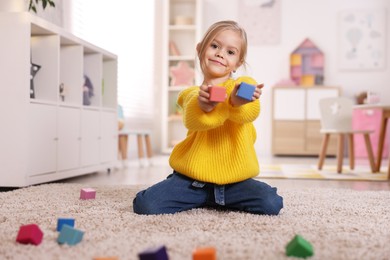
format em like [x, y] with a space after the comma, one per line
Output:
[33, 4]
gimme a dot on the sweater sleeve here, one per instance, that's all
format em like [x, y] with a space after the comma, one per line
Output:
[194, 118]
[248, 112]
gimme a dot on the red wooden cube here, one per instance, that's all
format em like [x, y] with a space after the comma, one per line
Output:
[30, 234]
[87, 193]
[217, 94]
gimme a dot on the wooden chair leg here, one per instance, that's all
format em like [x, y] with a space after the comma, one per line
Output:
[370, 153]
[324, 146]
[149, 151]
[351, 151]
[388, 170]
[382, 134]
[140, 146]
[122, 143]
[340, 153]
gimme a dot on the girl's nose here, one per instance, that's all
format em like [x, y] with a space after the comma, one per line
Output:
[218, 55]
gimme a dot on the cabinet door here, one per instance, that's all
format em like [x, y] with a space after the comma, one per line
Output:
[90, 137]
[109, 137]
[68, 138]
[42, 139]
[314, 95]
[288, 137]
[289, 104]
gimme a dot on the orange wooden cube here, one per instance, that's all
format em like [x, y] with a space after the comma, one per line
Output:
[206, 253]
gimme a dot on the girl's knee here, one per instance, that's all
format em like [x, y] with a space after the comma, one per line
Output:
[275, 204]
[270, 204]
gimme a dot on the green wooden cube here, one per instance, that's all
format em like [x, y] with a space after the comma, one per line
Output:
[299, 247]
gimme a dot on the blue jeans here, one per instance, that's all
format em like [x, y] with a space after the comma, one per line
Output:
[179, 193]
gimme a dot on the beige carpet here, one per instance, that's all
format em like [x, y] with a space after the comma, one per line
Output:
[340, 224]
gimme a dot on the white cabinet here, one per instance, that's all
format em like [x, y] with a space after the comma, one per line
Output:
[295, 111]
[53, 134]
[90, 137]
[109, 137]
[296, 120]
[181, 31]
[42, 139]
[68, 152]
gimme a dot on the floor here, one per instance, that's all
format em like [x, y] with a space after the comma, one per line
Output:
[136, 172]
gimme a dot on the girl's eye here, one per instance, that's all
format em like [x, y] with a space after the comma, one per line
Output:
[214, 46]
[231, 52]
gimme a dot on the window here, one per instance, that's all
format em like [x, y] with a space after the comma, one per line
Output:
[125, 28]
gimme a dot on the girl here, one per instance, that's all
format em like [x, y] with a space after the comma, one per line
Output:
[214, 165]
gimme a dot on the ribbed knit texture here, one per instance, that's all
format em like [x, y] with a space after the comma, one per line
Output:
[219, 147]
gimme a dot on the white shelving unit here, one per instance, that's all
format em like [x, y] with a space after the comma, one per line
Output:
[181, 26]
[48, 137]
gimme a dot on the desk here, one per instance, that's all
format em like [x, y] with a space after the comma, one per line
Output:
[382, 132]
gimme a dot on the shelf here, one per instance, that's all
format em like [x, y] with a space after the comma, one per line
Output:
[181, 58]
[54, 135]
[176, 88]
[182, 27]
[175, 117]
[181, 30]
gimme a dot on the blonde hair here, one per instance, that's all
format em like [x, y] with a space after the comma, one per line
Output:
[212, 33]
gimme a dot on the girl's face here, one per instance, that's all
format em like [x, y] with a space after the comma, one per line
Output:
[222, 56]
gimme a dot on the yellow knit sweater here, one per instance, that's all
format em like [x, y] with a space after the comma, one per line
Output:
[219, 147]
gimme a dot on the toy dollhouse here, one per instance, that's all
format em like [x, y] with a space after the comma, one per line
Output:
[307, 64]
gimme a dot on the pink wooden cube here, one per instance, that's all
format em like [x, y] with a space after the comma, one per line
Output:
[217, 94]
[29, 234]
[87, 194]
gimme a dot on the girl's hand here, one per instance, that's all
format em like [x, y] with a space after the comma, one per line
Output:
[237, 101]
[203, 99]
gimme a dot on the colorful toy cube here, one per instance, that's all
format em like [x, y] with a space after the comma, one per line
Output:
[66, 221]
[87, 194]
[158, 253]
[206, 253]
[30, 234]
[299, 247]
[70, 235]
[246, 91]
[217, 94]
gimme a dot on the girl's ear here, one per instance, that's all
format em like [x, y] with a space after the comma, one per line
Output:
[239, 64]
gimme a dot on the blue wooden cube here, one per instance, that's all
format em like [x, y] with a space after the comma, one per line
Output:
[158, 253]
[246, 91]
[70, 235]
[64, 221]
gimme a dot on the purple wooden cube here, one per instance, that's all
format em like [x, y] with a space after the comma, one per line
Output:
[157, 253]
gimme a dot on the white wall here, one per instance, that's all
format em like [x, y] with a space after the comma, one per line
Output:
[314, 19]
